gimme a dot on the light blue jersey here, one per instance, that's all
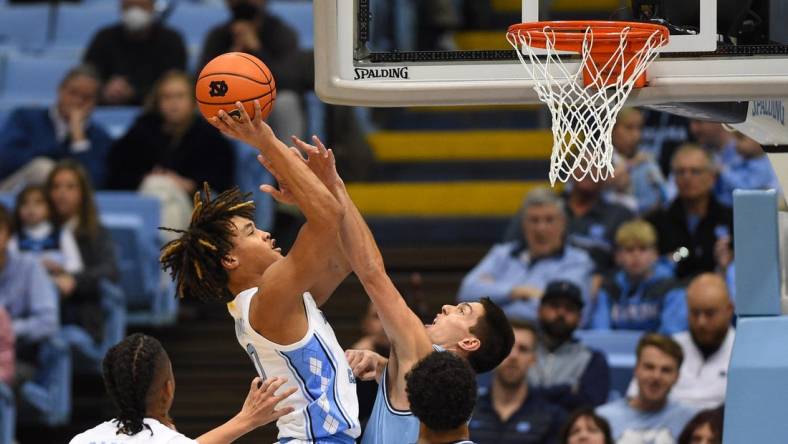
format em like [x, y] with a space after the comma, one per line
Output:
[388, 425]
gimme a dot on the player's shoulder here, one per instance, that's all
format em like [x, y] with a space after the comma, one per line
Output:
[105, 429]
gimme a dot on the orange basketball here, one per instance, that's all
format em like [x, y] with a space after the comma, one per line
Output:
[234, 77]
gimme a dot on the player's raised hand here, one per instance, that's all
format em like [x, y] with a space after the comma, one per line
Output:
[321, 161]
[259, 407]
[282, 194]
[239, 125]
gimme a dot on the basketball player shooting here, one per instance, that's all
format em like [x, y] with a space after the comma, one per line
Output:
[478, 332]
[274, 299]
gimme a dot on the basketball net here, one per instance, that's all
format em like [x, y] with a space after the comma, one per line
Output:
[584, 104]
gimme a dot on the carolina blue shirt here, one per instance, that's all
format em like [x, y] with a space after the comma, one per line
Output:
[507, 266]
[746, 174]
[634, 426]
[656, 304]
[648, 186]
[30, 297]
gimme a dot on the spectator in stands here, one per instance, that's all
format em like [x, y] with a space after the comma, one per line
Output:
[641, 294]
[75, 209]
[37, 233]
[139, 379]
[749, 170]
[33, 139]
[508, 402]
[441, 391]
[132, 54]
[7, 347]
[584, 426]
[514, 276]
[708, 344]
[650, 416]
[715, 138]
[29, 297]
[637, 174]
[593, 220]
[704, 428]
[253, 30]
[662, 134]
[695, 230]
[569, 373]
[170, 151]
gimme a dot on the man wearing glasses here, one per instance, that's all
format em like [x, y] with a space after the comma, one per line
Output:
[695, 230]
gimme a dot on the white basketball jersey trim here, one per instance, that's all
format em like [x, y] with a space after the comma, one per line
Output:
[107, 433]
[325, 405]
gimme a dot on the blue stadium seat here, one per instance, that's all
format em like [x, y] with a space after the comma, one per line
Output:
[297, 14]
[77, 24]
[49, 393]
[619, 348]
[7, 414]
[7, 200]
[33, 80]
[132, 220]
[24, 27]
[115, 119]
[194, 22]
[88, 354]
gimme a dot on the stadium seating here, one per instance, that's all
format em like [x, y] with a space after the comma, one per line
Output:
[297, 14]
[88, 354]
[77, 24]
[24, 27]
[132, 220]
[115, 119]
[249, 175]
[7, 414]
[619, 348]
[49, 393]
[31, 79]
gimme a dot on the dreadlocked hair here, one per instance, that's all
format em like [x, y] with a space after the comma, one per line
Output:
[128, 369]
[195, 259]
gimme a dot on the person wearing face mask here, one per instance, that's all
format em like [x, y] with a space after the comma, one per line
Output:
[569, 373]
[131, 55]
[34, 138]
[253, 30]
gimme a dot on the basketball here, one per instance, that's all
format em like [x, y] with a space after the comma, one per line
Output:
[234, 77]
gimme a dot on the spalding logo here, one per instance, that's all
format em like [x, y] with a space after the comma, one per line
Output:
[218, 88]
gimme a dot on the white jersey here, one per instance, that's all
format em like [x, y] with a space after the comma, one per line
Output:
[325, 408]
[107, 433]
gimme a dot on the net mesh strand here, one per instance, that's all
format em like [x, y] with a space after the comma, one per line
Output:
[583, 115]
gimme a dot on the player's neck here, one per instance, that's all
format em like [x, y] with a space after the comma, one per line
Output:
[427, 436]
[240, 280]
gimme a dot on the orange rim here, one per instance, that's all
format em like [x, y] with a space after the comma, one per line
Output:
[569, 35]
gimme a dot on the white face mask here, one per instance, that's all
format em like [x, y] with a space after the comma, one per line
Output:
[136, 19]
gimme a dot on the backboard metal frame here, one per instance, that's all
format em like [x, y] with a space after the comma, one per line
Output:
[342, 79]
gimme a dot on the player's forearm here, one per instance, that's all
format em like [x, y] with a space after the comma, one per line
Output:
[359, 244]
[227, 432]
[311, 196]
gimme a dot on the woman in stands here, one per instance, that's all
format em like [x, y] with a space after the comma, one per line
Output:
[704, 428]
[170, 151]
[139, 380]
[584, 426]
[75, 210]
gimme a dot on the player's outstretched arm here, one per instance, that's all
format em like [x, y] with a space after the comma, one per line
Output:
[258, 410]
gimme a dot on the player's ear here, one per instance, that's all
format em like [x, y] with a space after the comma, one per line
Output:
[470, 344]
[230, 262]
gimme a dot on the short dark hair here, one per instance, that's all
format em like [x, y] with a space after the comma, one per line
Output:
[129, 369]
[663, 343]
[86, 70]
[441, 391]
[195, 259]
[5, 219]
[495, 335]
[714, 418]
[20, 199]
[586, 412]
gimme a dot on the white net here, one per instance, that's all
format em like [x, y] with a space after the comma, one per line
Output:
[583, 115]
